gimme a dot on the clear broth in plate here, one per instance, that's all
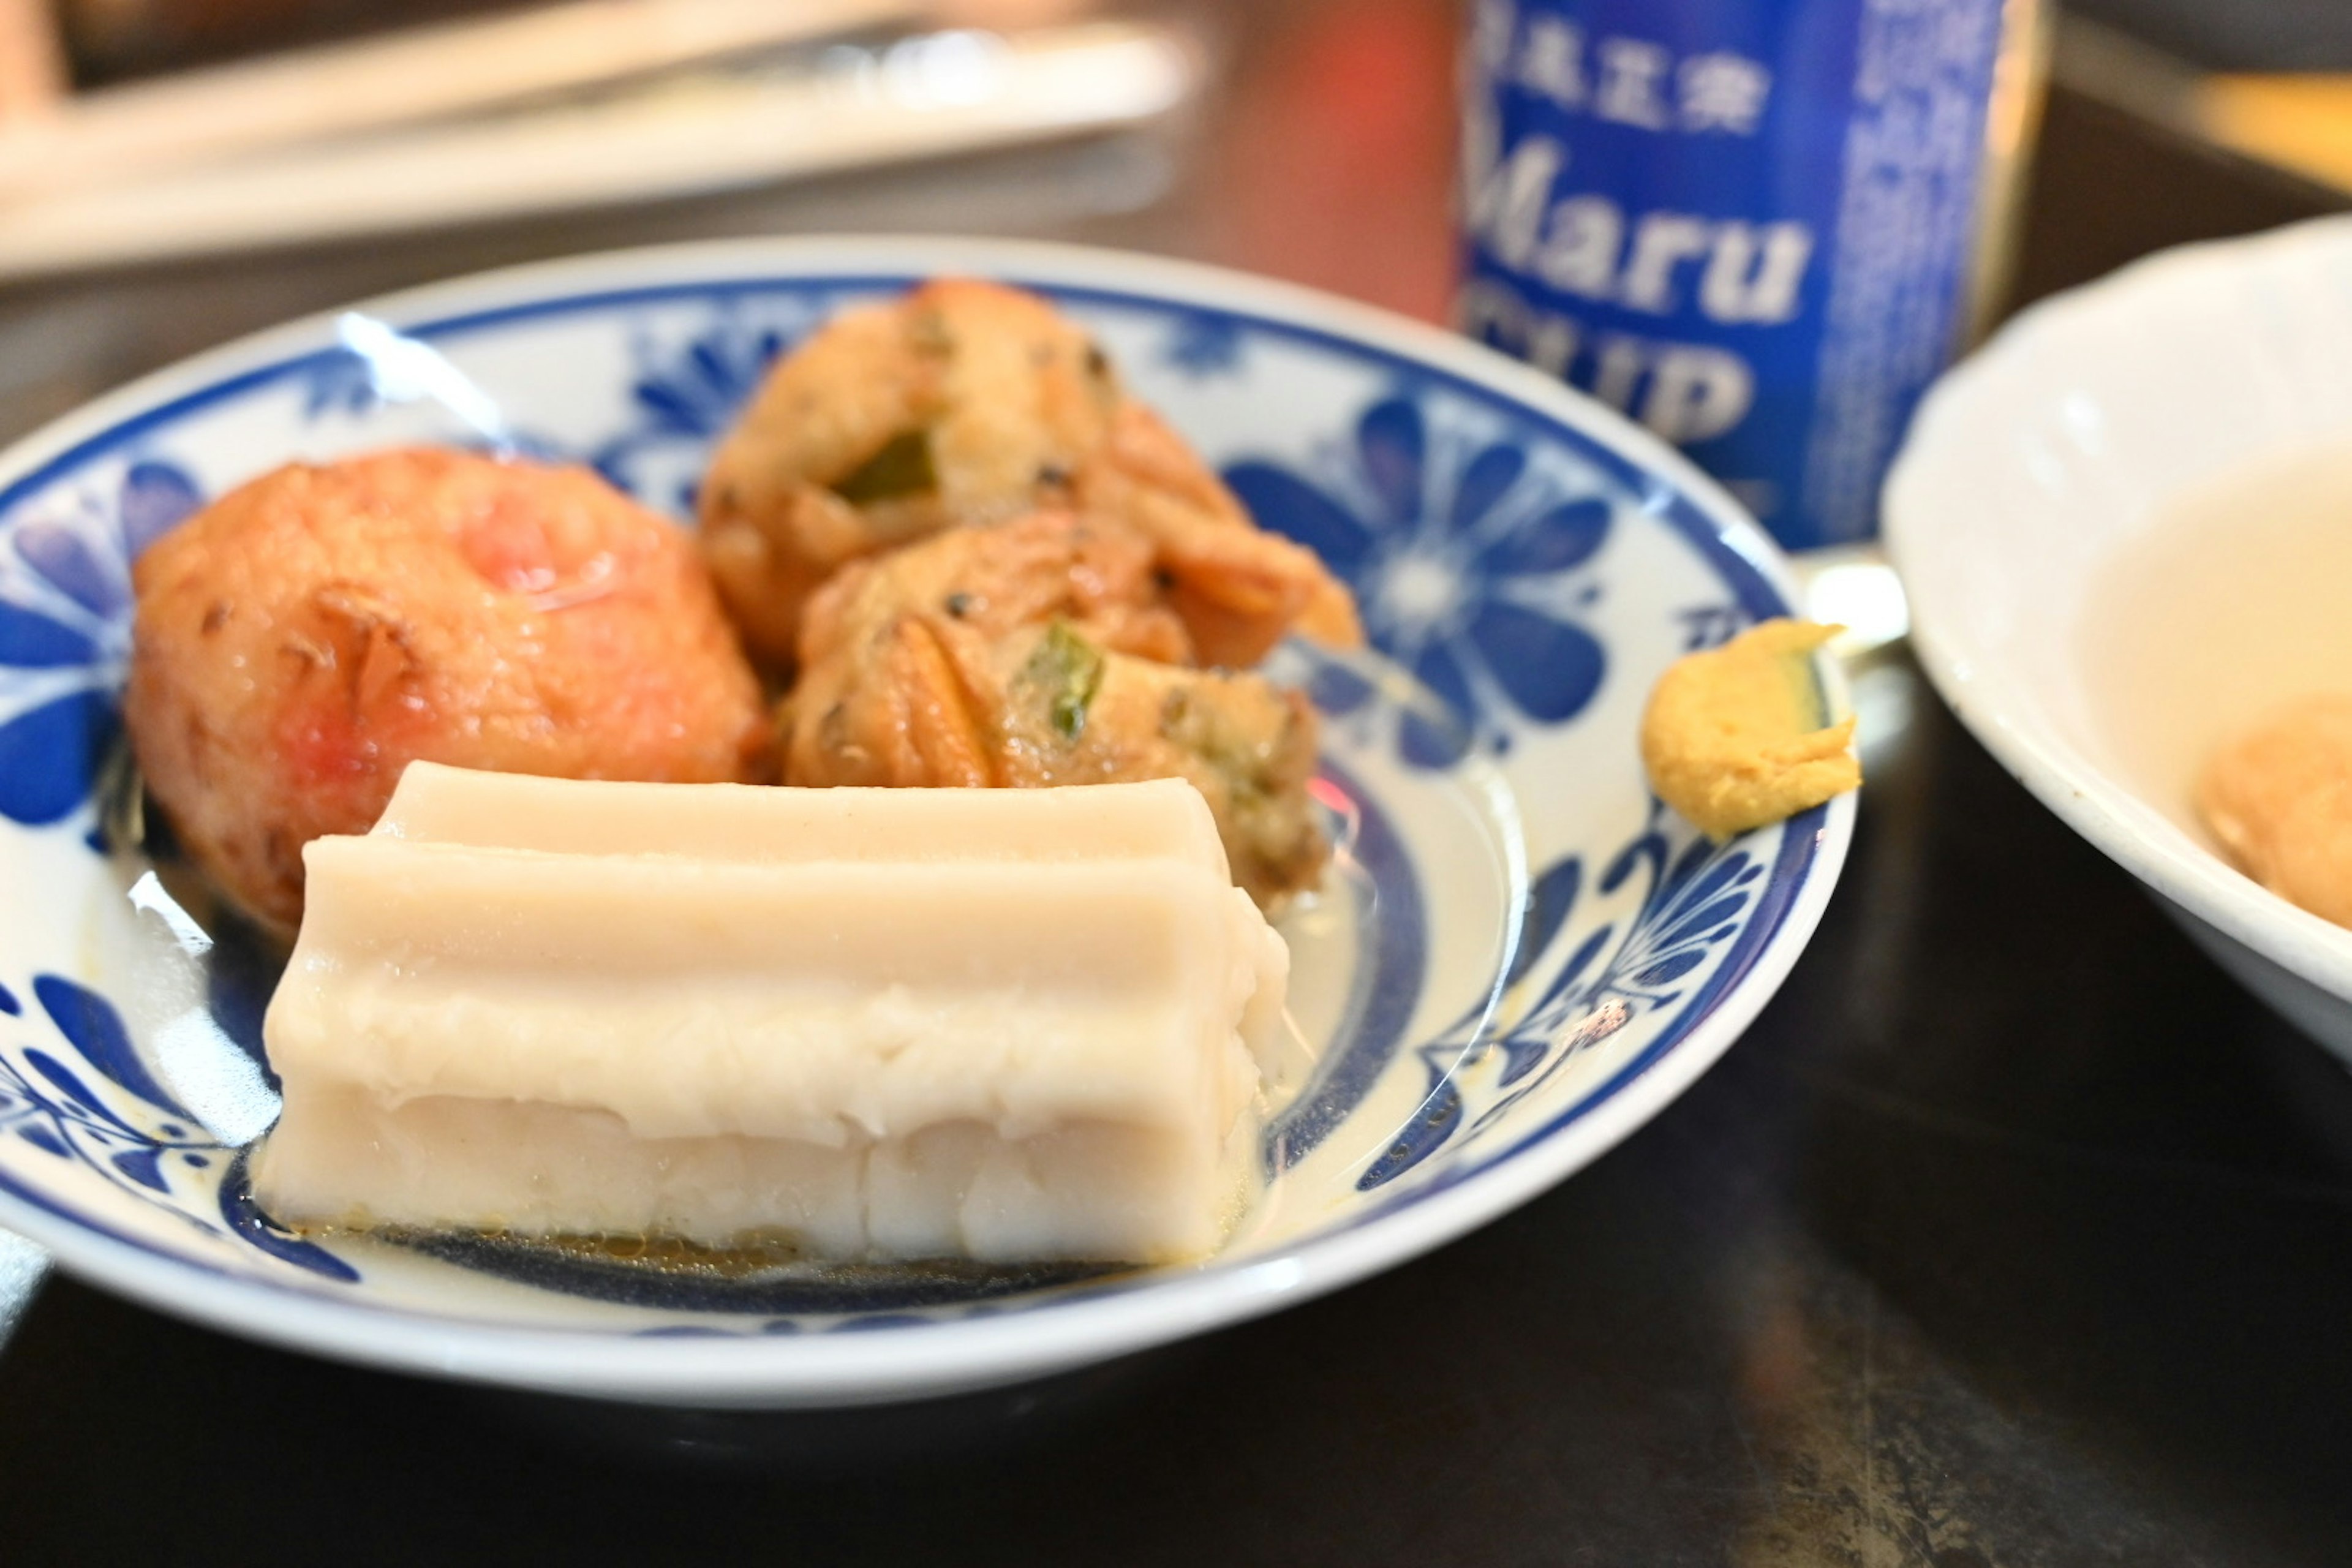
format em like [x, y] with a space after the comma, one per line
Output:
[2236, 600]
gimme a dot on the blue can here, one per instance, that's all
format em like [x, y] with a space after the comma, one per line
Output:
[1759, 228]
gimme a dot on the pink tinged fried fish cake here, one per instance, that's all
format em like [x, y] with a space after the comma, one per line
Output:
[304, 637]
[966, 403]
[2279, 797]
[1038, 653]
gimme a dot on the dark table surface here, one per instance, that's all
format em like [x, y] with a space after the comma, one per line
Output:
[2011, 1234]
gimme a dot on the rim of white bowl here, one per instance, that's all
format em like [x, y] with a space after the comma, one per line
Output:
[2035, 749]
[956, 1355]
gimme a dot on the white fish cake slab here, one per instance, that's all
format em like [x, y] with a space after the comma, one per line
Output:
[887, 1025]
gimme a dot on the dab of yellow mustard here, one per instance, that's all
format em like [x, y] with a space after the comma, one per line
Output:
[1736, 737]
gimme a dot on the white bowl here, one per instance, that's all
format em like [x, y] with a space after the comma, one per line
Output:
[2051, 454]
[1518, 959]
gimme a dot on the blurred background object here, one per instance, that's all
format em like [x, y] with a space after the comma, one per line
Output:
[925, 95]
[1312, 140]
[112, 39]
[579, 104]
[2278, 95]
[405, 77]
[1758, 227]
[32, 66]
[1342, 107]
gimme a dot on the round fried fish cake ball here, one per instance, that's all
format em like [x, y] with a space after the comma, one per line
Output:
[1046, 566]
[1041, 652]
[303, 638]
[967, 403]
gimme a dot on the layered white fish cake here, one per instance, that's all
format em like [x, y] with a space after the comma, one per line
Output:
[1005, 1025]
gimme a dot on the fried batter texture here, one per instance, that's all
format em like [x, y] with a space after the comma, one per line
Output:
[1041, 652]
[304, 637]
[967, 403]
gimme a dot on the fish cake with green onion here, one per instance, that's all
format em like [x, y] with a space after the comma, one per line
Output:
[1044, 652]
[967, 403]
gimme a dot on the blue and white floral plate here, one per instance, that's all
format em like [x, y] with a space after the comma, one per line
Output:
[1518, 959]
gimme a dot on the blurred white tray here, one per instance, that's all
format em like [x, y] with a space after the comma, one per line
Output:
[922, 96]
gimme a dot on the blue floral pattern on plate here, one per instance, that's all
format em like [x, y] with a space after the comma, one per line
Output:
[685, 395]
[1509, 568]
[1697, 893]
[1473, 573]
[1203, 343]
[64, 634]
